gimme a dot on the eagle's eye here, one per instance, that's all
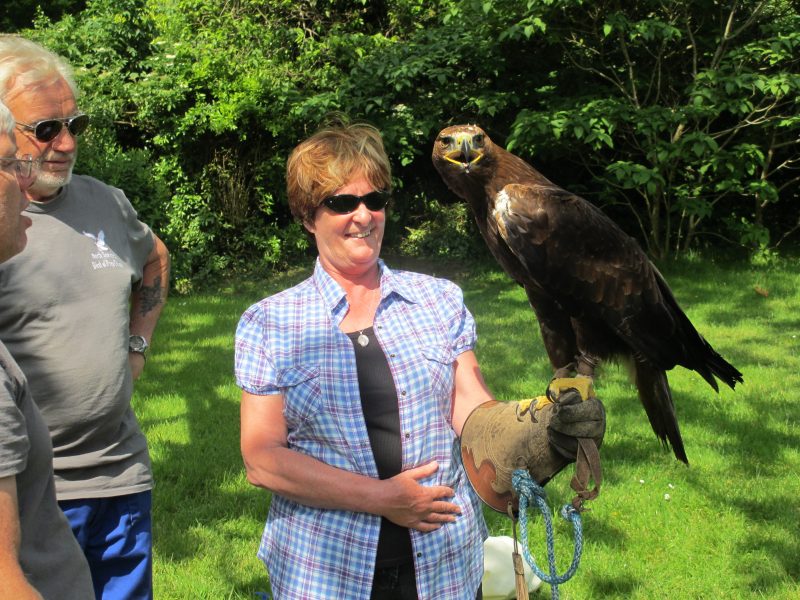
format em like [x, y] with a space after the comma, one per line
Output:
[478, 139]
[446, 140]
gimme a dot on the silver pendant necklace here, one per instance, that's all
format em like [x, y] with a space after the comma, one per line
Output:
[362, 338]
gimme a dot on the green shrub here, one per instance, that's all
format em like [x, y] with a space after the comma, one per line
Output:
[446, 231]
[680, 118]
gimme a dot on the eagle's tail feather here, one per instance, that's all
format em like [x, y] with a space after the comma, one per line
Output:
[698, 354]
[710, 363]
[656, 398]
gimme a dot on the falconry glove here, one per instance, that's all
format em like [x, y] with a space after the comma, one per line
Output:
[542, 435]
[576, 431]
[574, 418]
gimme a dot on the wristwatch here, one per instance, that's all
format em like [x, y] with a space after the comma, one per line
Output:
[137, 344]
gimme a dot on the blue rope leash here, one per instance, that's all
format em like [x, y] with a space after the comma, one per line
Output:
[529, 491]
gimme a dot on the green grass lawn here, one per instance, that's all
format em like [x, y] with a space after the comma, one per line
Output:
[730, 527]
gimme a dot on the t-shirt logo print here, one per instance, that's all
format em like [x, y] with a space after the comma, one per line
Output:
[99, 239]
[103, 257]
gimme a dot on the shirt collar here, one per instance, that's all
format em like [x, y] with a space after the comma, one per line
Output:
[393, 283]
[48, 205]
[333, 294]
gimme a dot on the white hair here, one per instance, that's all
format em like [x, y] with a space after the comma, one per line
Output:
[23, 62]
[6, 121]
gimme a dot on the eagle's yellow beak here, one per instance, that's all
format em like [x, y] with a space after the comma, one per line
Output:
[462, 152]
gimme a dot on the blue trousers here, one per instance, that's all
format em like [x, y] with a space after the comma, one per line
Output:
[116, 536]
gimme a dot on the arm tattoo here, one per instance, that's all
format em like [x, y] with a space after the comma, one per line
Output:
[150, 296]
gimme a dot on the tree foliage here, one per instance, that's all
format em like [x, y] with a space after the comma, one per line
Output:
[20, 14]
[686, 112]
[681, 119]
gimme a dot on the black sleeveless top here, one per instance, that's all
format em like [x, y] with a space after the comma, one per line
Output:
[381, 413]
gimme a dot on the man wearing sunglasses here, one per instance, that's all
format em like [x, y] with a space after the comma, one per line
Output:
[30, 519]
[93, 282]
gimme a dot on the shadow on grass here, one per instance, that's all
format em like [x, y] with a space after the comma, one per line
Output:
[603, 586]
[763, 578]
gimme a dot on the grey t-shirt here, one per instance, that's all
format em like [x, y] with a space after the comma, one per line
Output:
[64, 316]
[49, 555]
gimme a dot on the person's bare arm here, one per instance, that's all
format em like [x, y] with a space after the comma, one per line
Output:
[148, 298]
[13, 583]
[470, 390]
[270, 464]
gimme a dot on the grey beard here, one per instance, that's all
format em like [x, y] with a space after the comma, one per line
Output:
[47, 184]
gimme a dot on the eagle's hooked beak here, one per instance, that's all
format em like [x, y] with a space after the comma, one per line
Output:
[466, 149]
[463, 154]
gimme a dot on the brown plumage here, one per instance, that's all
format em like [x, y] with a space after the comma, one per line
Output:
[594, 291]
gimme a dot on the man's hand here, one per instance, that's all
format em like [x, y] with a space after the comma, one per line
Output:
[136, 362]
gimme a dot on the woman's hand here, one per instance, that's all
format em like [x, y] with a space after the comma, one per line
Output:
[410, 504]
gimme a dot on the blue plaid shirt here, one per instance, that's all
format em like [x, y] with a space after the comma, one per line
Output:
[290, 343]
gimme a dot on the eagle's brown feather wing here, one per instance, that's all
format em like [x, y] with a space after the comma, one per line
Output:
[602, 279]
[582, 258]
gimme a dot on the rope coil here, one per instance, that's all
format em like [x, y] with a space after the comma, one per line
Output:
[530, 492]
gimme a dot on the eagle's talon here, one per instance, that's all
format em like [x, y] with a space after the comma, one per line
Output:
[532, 406]
[582, 384]
[523, 407]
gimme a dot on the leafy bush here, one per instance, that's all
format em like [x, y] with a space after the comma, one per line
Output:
[447, 231]
[131, 170]
[680, 118]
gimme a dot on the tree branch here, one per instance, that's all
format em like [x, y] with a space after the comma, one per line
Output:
[631, 77]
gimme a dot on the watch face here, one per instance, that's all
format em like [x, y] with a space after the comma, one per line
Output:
[137, 343]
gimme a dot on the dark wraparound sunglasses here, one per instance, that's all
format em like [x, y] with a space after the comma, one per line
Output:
[346, 203]
[48, 130]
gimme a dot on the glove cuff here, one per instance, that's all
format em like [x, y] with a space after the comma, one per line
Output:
[496, 440]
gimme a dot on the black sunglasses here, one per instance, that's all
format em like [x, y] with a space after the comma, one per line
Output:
[49, 129]
[347, 203]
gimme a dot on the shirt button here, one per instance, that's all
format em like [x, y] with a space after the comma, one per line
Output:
[403, 393]
[392, 355]
[419, 554]
[408, 435]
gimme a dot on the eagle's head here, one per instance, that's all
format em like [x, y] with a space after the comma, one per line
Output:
[460, 149]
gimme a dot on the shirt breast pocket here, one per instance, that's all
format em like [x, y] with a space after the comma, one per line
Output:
[302, 393]
[440, 361]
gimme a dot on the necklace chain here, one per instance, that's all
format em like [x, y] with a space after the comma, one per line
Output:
[363, 339]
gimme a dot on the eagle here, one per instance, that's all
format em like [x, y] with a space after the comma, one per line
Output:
[595, 293]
